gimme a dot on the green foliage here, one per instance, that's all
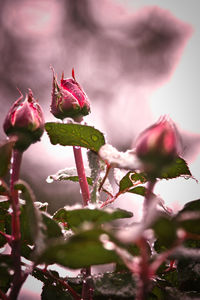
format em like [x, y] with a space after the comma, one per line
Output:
[165, 232]
[139, 190]
[5, 156]
[130, 178]
[178, 168]
[114, 286]
[75, 135]
[189, 274]
[4, 205]
[52, 292]
[75, 217]
[6, 267]
[37, 227]
[79, 251]
[191, 206]
[189, 217]
[78, 238]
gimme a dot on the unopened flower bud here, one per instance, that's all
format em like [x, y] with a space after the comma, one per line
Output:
[68, 99]
[158, 145]
[25, 121]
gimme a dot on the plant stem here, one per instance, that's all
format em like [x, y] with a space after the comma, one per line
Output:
[86, 272]
[87, 289]
[81, 175]
[16, 234]
[144, 280]
[148, 197]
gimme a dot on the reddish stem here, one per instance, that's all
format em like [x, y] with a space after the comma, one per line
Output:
[81, 175]
[144, 278]
[148, 197]
[86, 289]
[16, 234]
[108, 167]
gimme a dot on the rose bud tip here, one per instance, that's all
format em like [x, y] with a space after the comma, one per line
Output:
[158, 145]
[68, 99]
[24, 121]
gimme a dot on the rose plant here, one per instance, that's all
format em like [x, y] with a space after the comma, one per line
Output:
[156, 258]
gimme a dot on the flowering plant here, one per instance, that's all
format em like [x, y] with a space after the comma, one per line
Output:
[151, 259]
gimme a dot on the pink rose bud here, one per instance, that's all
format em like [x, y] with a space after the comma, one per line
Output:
[158, 145]
[25, 121]
[68, 99]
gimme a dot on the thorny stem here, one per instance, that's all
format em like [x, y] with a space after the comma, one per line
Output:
[81, 175]
[86, 289]
[144, 276]
[16, 234]
[148, 197]
[144, 280]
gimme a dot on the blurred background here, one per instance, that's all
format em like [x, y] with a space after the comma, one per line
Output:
[136, 60]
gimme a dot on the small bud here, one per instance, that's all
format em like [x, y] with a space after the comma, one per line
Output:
[25, 121]
[68, 99]
[157, 146]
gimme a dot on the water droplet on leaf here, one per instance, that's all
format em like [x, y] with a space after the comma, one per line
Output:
[94, 137]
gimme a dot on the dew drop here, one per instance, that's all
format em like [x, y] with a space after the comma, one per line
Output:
[109, 246]
[49, 179]
[186, 177]
[94, 137]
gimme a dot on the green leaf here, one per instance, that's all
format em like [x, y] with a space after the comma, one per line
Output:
[4, 189]
[189, 243]
[79, 251]
[114, 286]
[129, 179]
[189, 274]
[189, 217]
[51, 292]
[4, 206]
[51, 229]
[75, 135]
[157, 294]
[40, 274]
[75, 217]
[5, 156]
[178, 168]
[191, 206]
[171, 277]
[165, 231]
[33, 216]
[37, 227]
[6, 266]
[139, 190]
